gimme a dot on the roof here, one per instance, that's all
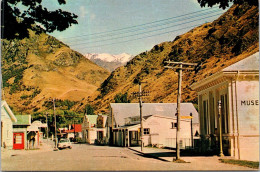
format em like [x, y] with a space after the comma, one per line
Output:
[23, 120]
[92, 118]
[125, 110]
[32, 128]
[5, 106]
[249, 63]
[74, 128]
[39, 124]
[247, 66]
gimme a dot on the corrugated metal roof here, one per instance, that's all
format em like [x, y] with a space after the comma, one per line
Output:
[124, 110]
[249, 63]
[23, 120]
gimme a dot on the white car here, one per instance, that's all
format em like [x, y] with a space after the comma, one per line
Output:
[64, 143]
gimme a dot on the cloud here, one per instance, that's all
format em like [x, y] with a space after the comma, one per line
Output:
[83, 12]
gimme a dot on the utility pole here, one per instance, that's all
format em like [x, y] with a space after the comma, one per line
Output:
[56, 140]
[220, 129]
[47, 134]
[179, 66]
[192, 143]
[140, 94]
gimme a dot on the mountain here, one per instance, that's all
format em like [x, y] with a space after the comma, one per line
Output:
[41, 67]
[214, 46]
[108, 61]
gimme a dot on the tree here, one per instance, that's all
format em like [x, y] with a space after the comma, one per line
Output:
[15, 21]
[121, 98]
[224, 3]
[89, 110]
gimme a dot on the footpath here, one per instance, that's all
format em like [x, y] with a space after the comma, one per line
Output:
[192, 162]
[43, 147]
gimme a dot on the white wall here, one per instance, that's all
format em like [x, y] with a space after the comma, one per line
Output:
[162, 133]
[7, 129]
[248, 116]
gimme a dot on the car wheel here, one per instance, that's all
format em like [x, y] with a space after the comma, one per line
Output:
[70, 147]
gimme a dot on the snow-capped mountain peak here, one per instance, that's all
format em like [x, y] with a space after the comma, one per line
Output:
[122, 58]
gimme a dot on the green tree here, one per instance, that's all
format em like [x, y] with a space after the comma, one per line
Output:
[17, 16]
[121, 98]
[89, 110]
[224, 3]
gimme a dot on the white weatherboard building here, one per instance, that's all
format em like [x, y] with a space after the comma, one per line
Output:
[237, 88]
[159, 123]
[7, 119]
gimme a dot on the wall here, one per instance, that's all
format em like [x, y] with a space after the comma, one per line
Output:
[162, 133]
[248, 119]
[7, 129]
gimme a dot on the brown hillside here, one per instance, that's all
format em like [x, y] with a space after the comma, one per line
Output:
[230, 38]
[41, 67]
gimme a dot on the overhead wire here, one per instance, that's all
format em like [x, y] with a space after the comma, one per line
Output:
[136, 34]
[143, 28]
[114, 30]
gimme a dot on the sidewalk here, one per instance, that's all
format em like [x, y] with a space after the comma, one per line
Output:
[193, 162]
[43, 147]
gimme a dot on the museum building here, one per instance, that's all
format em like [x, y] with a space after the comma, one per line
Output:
[228, 103]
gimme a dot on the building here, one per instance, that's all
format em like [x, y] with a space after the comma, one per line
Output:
[74, 131]
[7, 119]
[229, 100]
[94, 129]
[159, 123]
[20, 138]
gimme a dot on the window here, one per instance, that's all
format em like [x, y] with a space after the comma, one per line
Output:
[146, 131]
[174, 124]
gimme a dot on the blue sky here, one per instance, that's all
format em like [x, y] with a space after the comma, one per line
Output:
[129, 26]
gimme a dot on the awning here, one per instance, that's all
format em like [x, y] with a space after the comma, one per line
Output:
[32, 128]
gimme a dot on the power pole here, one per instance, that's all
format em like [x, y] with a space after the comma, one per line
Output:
[56, 141]
[47, 134]
[179, 66]
[140, 94]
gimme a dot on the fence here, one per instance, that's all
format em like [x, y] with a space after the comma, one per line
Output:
[184, 143]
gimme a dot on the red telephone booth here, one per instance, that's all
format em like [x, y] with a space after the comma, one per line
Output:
[18, 140]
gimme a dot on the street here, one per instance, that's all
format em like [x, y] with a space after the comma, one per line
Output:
[83, 157]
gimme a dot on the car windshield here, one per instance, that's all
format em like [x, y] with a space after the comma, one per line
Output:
[63, 140]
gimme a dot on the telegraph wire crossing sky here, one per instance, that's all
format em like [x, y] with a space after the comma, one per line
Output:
[129, 26]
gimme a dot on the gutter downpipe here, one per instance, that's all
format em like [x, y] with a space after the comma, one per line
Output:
[238, 146]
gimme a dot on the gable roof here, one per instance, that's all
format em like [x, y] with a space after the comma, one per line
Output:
[125, 110]
[92, 119]
[75, 128]
[23, 120]
[5, 106]
[247, 64]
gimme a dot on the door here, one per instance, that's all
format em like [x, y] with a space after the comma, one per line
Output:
[18, 141]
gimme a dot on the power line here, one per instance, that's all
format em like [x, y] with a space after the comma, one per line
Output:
[157, 21]
[147, 27]
[144, 37]
[124, 36]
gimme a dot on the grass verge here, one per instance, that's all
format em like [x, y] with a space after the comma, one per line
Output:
[251, 164]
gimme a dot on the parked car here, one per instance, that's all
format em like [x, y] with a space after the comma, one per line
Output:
[64, 143]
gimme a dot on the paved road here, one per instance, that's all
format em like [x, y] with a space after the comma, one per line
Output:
[84, 157]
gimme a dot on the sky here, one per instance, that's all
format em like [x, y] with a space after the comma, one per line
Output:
[129, 26]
